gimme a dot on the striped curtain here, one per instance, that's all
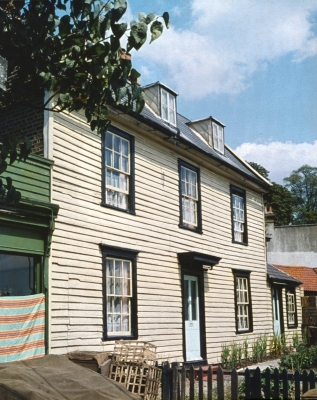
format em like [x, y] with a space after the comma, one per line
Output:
[22, 327]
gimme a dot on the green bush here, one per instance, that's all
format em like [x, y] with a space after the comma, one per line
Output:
[305, 357]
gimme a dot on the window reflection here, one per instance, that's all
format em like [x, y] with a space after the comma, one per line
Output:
[16, 275]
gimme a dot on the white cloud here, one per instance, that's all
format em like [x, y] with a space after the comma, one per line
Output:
[279, 158]
[227, 41]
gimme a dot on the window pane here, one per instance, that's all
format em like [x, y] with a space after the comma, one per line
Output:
[125, 147]
[118, 264]
[189, 211]
[17, 275]
[242, 299]
[125, 305]
[189, 196]
[291, 308]
[168, 107]
[110, 286]
[117, 171]
[119, 292]
[194, 300]
[183, 187]
[125, 164]
[164, 113]
[164, 97]
[171, 116]
[116, 199]
[109, 138]
[238, 217]
[110, 267]
[109, 159]
[110, 323]
[118, 287]
[123, 183]
[109, 177]
[126, 269]
[183, 173]
[117, 305]
[116, 161]
[109, 304]
[117, 323]
[218, 137]
[117, 143]
[126, 287]
[125, 323]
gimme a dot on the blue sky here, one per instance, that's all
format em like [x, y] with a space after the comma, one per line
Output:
[252, 64]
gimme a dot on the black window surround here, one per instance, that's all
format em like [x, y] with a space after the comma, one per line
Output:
[197, 227]
[291, 319]
[239, 273]
[131, 186]
[124, 255]
[238, 237]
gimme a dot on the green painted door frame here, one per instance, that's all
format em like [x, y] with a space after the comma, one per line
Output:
[27, 230]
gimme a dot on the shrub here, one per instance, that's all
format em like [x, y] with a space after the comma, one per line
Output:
[225, 354]
[305, 357]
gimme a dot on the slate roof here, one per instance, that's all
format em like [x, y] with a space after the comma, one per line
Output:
[307, 275]
[276, 275]
[184, 134]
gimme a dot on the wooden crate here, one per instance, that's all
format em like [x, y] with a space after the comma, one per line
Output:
[119, 372]
[133, 364]
[153, 384]
[132, 351]
[144, 380]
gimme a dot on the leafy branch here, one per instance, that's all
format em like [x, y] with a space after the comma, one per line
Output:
[72, 49]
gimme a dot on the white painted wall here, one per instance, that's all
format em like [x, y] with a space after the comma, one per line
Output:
[293, 245]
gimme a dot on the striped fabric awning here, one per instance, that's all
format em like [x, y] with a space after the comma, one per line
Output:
[22, 327]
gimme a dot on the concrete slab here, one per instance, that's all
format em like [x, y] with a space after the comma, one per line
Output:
[263, 365]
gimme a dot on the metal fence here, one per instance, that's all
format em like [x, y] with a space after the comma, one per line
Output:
[208, 383]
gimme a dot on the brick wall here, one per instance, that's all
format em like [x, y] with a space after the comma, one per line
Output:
[24, 121]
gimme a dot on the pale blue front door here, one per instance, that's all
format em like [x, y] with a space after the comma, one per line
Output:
[192, 318]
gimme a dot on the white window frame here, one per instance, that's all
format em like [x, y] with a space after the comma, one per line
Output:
[168, 107]
[189, 198]
[242, 300]
[238, 217]
[113, 295]
[243, 303]
[218, 137]
[291, 308]
[122, 172]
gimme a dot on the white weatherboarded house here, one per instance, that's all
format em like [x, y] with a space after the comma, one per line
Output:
[160, 235]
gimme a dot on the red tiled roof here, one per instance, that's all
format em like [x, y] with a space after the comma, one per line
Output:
[305, 274]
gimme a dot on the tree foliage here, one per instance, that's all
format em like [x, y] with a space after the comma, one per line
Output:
[302, 183]
[261, 170]
[282, 202]
[73, 50]
[278, 197]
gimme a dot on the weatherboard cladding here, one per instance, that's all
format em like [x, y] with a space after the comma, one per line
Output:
[184, 134]
[278, 275]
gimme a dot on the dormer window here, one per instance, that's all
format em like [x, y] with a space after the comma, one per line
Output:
[211, 130]
[168, 107]
[217, 137]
